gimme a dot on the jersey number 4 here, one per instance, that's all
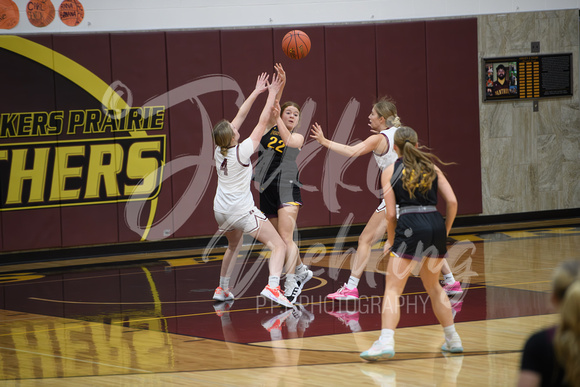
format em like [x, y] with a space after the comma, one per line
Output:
[224, 167]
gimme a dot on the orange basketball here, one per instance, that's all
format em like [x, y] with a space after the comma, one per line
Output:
[296, 44]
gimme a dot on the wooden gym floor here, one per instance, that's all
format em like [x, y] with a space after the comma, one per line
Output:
[153, 322]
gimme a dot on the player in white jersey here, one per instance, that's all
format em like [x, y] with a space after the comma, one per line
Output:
[383, 122]
[234, 207]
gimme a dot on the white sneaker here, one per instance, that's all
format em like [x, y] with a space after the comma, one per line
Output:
[275, 294]
[303, 277]
[380, 350]
[222, 295]
[454, 345]
[292, 291]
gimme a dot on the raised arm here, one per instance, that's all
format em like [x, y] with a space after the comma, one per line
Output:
[268, 111]
[281, 74]
[448, 195]
[362, 148]
[261, 86]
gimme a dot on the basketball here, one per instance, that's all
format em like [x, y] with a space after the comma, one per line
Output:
[296, 44]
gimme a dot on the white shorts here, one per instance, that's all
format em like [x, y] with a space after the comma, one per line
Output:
[383, 207]
[247, 222]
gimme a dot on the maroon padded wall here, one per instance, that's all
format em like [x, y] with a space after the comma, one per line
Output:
[192, 57]
[452, 82]
[402, 74]
[351, 77]
[33, 90]
[98, 222]
[139, 61]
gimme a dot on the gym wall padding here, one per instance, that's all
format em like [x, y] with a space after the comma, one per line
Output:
[453, 106]
[78, 222]
[32, 88]
[428, 68]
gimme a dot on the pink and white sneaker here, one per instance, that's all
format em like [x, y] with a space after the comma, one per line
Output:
[344, 293]
[453, 289]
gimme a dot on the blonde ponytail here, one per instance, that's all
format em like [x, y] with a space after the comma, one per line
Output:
[386, 108]
[222, 136]
[396, 122]
[419, 172]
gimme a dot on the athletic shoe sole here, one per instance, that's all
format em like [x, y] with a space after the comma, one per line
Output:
[452, 350]
[385, 355]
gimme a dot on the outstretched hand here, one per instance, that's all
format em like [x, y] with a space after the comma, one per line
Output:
[281, 73]
[317, 134]
[276, 84]
[262, 82]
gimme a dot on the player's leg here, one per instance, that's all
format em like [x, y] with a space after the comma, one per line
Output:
[267, 234]
[451, 286]
[440, 303]
[373, 232]
[235, 239]
[398, 270]
[286, 224]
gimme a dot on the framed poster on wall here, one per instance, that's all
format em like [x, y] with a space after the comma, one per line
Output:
[527, 77]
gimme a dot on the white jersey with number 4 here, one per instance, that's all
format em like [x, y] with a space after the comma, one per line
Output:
[233, 195]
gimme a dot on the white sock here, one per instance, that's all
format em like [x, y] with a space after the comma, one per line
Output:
[290, 279]
[449, 331]
[352, 283]
[448, 278]
[224, 282]
[354, 326]
[300, 268]
[387, 335]
[273, 281]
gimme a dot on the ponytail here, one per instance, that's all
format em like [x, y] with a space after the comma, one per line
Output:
[396, 122]
[419, 172]
[222, 136]
[386, 108]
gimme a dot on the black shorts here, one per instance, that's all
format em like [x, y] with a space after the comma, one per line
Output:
[275, 197]
[420, 234]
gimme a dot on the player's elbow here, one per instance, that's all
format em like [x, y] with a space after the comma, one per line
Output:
[451, 202]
